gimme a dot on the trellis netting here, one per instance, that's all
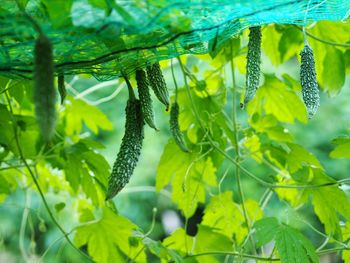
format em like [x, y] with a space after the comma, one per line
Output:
[105, 38]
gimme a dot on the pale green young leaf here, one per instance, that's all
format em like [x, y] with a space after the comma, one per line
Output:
[276, 99]
[190, 182]
[346, 236]
[254, 210]
[268, 124]
[92, 117]
[209, 239]
[270, 44]
[299, 157]
[225, 216]
[333, 70]
[178, 240]
[339, 34]
[295, 197]
[106, 239]
[342, 149]
[165, 251]
[253, 145]
[188, 190]
[172, 161]
[8, 182]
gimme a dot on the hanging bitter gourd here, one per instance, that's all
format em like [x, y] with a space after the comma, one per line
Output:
[158, 84]
[175, 128]
[61, 87]
[253, 63]
[308, 81]
[44, 90]
[145, 98]
[130, 148]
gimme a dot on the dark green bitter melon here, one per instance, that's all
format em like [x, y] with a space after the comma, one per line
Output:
[44, 89]
[308, 81]
[61, 87]
[158, 84]
[145, 98]
[130, 148]
[253, 63]
[175, 128]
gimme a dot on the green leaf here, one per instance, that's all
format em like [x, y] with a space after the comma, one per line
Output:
[328, 202]
[347, 60]
[73, 171]
[270, 44]
[252, 144]
[163, 251]
[227, 217]
[276, 99]
[268, 124]
[86, 168]
[342, 149]
[290, 43]
[189, 186]
[189, 177]
[59, 206]
[172, 161]
[106, 239]
[209, 102]
[266, 230]
[333, 70]
[178, 240]
[208, 239]
[346, 236]
[59, 12]
[339, 34]
[78, 111]
[293, 246]
[299, 157]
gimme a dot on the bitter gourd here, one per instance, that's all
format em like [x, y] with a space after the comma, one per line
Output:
[44, 90]
[130, 148]
[253, 63]
[61, 87]
[308, 81]
[145, 98]
[175, 128]
[158, 84]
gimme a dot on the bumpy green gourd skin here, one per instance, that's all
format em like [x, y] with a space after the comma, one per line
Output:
[308, 81]
[175, 128]
[130, 149]
[61, 87]
[44, 89]
[145, 98]
[156, 79]
[253, 63]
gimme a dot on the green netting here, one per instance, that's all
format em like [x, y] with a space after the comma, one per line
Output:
[104, 37]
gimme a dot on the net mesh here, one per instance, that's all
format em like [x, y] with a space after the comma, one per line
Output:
[105, 38]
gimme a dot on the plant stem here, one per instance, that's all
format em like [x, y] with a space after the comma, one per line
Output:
[236, 146]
